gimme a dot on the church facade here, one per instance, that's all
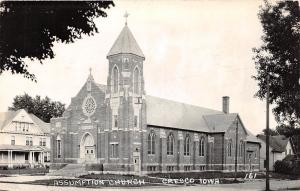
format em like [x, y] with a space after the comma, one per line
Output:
[121, 128]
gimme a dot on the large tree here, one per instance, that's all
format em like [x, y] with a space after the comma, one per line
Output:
[279, 58]
[29, 29]
[43, 108]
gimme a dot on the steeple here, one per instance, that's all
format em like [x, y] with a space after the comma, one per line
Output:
[90, 77]
[126, 43]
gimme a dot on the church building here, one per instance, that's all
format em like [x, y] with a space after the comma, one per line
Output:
[121, 128]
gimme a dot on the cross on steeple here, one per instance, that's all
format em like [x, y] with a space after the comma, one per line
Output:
[126, 16]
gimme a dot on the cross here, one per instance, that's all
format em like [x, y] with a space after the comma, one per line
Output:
[126, 16]
[90, 69]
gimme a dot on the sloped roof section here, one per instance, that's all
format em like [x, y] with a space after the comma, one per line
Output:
[278, 143]
[45, 127]
[167, 113]
[220, 122]
[126, 43]
[102, 87]
[6, 117]
[251, 137]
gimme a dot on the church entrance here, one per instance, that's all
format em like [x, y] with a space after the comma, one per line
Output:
[87, 148]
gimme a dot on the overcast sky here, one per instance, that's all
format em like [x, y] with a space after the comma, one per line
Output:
[196, 52]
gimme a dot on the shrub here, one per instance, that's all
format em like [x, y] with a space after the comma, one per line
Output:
[285, 167]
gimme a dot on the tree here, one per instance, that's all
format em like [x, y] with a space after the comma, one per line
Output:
[271, 132]
[279, 58]
[43, 108]
[29, 29]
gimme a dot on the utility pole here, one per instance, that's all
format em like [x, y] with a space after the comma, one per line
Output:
[267, 134]
[236, 148]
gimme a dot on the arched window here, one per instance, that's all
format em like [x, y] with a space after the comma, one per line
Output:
[115, 79]
[58, 146]
[229, 146]
[151, 143]
[187, 141]
[136, 81]
[241, 149]
[201, 147]
[170, 144]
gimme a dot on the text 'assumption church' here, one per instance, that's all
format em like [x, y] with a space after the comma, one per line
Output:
[124, 130]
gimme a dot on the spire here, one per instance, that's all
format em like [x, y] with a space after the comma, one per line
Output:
[126, 16]
[90, 78]
[126, 43]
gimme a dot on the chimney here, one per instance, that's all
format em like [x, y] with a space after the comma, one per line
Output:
[226, 104]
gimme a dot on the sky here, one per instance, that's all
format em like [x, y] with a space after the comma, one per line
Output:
[196, 52]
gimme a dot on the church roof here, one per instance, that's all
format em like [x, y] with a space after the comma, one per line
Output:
[126, 43]
[220, 122]
[167, 113]
[102, 87]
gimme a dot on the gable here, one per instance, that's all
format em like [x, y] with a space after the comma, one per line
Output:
[23, 122]
[89, 87]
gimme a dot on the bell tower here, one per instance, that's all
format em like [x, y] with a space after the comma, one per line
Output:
[125, 97]
[125, 66]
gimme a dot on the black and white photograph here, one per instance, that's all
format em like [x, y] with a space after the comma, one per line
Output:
[181, 95]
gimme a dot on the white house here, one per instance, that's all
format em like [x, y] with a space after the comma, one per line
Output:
[24, 140]
[280, 147]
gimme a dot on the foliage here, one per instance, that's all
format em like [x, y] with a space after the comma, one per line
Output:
[284, 167]
[29, 29]
[279, 57]
[271, 132]
[43, 108]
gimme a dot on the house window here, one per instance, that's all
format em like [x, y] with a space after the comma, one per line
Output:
[115, 121]
[30, 141]
[44, 142]
[135, 121]
[201, 147]
[27, 140]
[170, 144]
[186, 150]
[115, 79]
[136, 81]
[114, 151]
[151, 143]
[229, 147]
[13, 141]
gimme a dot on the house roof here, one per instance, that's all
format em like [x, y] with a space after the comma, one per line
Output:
[7, 117]
[278, 143]
[167, 113]
[126, 43]
[22, 148]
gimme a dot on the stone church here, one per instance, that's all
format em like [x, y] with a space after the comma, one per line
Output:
[124, 130]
